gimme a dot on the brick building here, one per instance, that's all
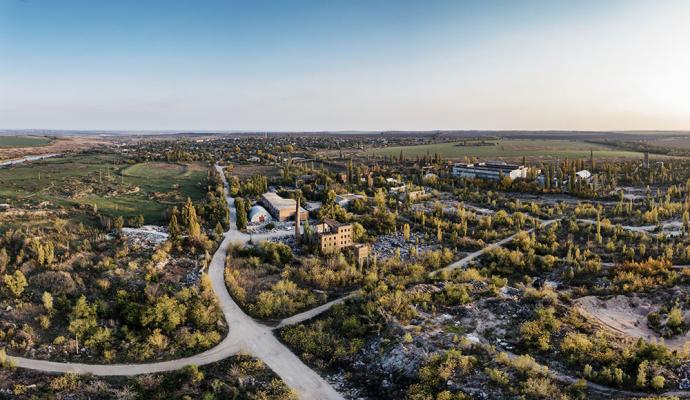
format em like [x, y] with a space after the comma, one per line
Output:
[334, 235]
[282, 209]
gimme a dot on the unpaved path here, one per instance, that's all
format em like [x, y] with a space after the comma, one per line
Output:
[461, 263]
[245, 335]
[309, 314]
[672, 228]
[252, 337]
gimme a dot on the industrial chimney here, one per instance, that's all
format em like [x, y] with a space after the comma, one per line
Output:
[297, 222]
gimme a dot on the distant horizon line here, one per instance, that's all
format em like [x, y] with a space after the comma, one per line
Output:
[6, 131]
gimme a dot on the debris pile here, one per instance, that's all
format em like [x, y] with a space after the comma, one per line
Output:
[146, 236]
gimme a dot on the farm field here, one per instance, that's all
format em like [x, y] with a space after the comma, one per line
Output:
[105, 181]
[244, 171]
[23, 141]
[510, 148]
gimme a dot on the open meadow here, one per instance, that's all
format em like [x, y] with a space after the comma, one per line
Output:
[23, 141]
[106, 181]
[507, 148]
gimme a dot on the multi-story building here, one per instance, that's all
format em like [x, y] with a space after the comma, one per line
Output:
[282, 209]
[489, 170]
[334, 235]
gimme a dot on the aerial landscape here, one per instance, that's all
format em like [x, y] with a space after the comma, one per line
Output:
[328, 211]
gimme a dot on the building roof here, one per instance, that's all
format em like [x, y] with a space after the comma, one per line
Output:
[348, 197]
[584, 174]
[333, 223]
[490, 166]
[257, 210]
[277, 201]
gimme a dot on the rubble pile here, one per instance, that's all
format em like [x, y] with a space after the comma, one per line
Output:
[146, 236]
[386, 246]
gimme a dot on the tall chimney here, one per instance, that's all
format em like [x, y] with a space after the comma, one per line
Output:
[297, 222]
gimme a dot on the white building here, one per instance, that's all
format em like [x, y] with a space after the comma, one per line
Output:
[489, 170]
[584, 174]
[344, 200]
[258, 214]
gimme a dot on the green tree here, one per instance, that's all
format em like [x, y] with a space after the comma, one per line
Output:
[241, 211]
[174, 228]
[641, 380]
[658, 382]
[119, 223]
[4, 260]
[406, 231]
[16, 283]
[167, 314]
[329, 206]
[191, 220]
[82, 319]
[47, 300]
[675, 318]
[380, 200]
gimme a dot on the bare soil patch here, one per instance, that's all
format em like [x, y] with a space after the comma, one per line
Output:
[59, 145]
[626, 315]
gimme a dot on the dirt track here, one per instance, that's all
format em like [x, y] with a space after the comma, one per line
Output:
[245, 335]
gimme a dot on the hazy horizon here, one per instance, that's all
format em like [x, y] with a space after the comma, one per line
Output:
[345, 66]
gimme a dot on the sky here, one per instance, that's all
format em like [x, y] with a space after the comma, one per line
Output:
[345, 65]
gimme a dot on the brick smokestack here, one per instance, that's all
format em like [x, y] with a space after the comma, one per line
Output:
[298, 236]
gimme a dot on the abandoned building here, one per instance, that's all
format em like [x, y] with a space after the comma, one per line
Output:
[334, 235]
[282, 209]
[489, 170]
[344, 200]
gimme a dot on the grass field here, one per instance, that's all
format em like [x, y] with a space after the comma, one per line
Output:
[155, 170]
[114, 187]
[23, 141]
[509, 148]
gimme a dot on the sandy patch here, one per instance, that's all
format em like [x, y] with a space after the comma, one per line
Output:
[61, 144]
[626, 315]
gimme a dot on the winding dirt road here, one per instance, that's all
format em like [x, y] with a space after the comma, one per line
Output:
[245, 336]
[252, 337]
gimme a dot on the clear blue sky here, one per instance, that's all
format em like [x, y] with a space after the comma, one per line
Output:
[343, 65]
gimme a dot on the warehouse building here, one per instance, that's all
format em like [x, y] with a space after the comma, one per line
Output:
[282, 209]
[489, 170]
